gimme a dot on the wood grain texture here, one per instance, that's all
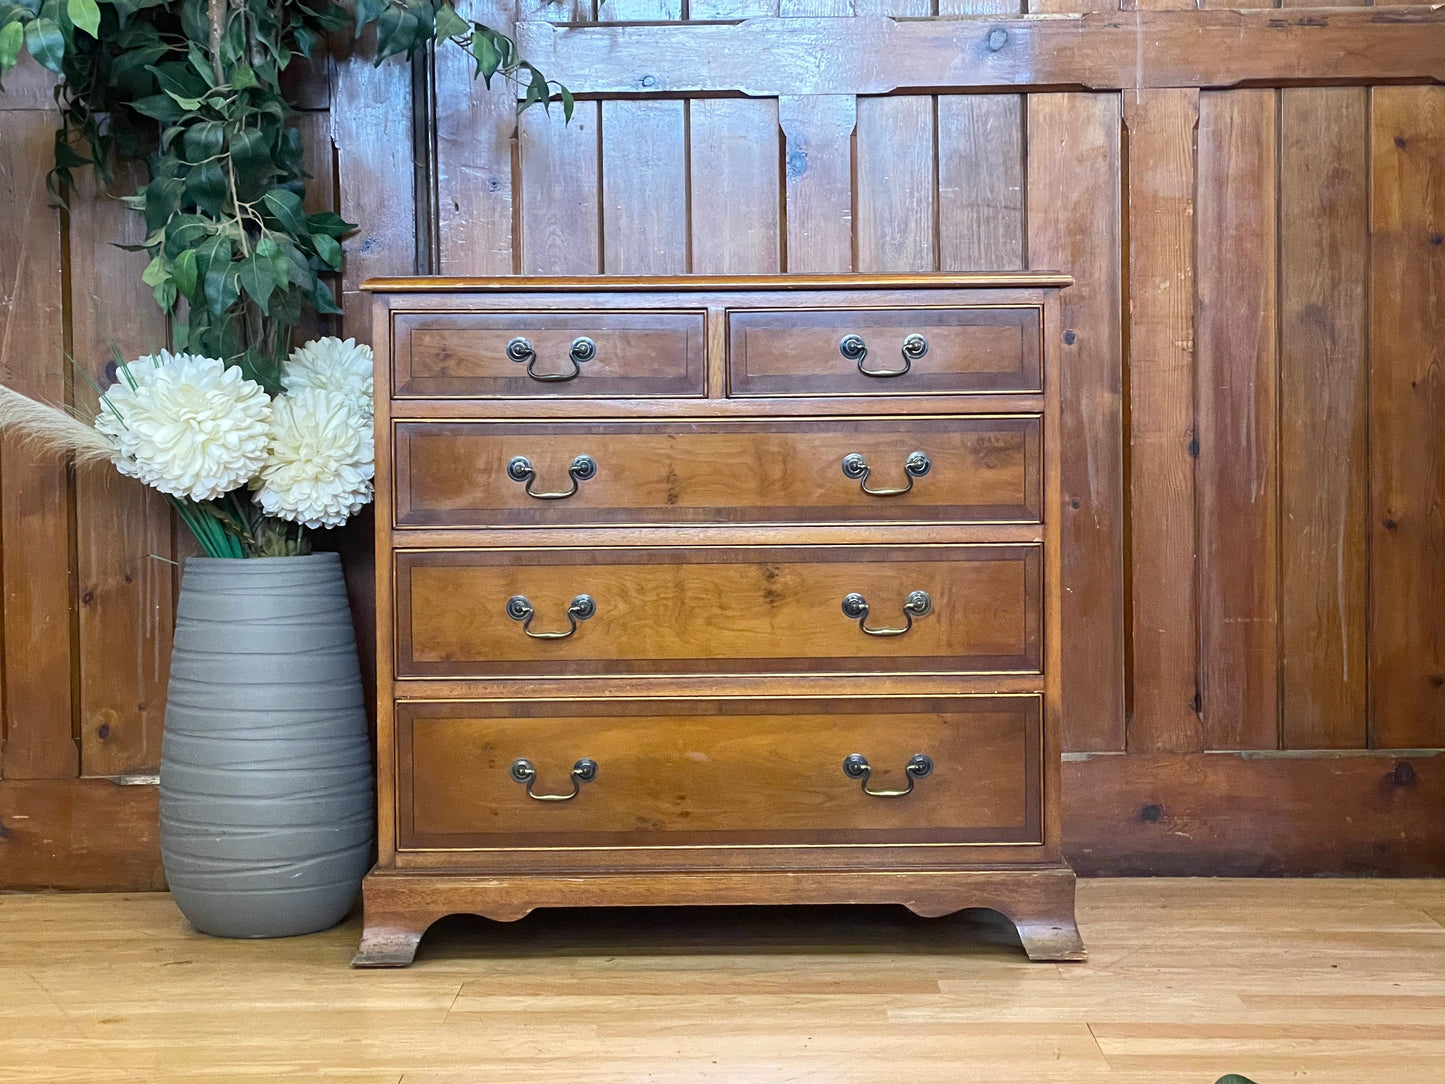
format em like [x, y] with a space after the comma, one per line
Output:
[818, 181]
[1101, 50]
[691, 774]
[1324, 416]
[35, 489]
[1330, 978]
[967, 349]
[751, 609]
[736, 207]
[644, 187]
[79, 833]
[1254, 815]
[475, 133]
[980, 181]
[896, 185]
[560, 190]
[1164, 578]
[376, 176]
[981, 469]
[1407, 428]
[126, 584]
[1074, 181]
[1238, 485]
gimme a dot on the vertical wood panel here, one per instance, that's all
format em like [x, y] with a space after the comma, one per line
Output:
[1165, 613]
[375, 172]
[1237, 405]
[1073, 225]
[475, 131]
[896, 184]
[126, 595]
[561, 233]
[1323, 418]
[734, 165]
[644, 188]
[980, 182]
[34, 487]
[818, 181]
[1407, 434]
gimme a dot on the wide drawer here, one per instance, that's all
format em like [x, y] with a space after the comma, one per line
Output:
[903, 351]
[744, 609]
[700, 773]
[485, 474]
[527, 354]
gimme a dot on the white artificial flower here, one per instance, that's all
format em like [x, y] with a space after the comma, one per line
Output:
[186, 425]
[332, 365]
[321, 459]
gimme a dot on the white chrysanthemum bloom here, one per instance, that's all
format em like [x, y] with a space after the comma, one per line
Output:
[186, 425]
[322, 459]
[332, 365]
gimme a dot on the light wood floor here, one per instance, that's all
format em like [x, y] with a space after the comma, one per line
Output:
[1187, 980]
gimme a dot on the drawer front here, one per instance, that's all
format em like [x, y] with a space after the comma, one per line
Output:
[530, 354]
[884, 351]
[467, 613]
[468, 474]
[700, 773]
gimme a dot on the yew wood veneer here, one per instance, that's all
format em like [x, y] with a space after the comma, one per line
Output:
[718, 591]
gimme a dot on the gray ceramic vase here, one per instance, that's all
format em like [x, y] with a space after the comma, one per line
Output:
[266, 780]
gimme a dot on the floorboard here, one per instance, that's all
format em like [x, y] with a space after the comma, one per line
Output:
[1325, 980]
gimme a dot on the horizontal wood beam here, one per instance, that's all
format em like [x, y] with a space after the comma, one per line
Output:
[79, 833]
[767, 57]
[1256, 814]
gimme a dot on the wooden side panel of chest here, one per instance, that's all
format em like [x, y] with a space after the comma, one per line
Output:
[718, 591]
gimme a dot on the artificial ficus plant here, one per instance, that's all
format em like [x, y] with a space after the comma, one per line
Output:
[193, 88]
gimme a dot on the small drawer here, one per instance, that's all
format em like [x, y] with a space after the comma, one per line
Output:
[706, 610]
[976, 469]
[700, 773]
[791, 352]
[527, 354]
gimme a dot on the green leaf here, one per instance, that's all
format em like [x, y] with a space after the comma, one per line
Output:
[207, 188]
[397, 31]
[204, 139]
[244, 78]
[85, 14]
[257, 278]
[161, 107]
[183, 272]
[332, 225]
[484, 51]
[568, 103]
[329, 249]
[11, 37]
[367, 12]
[451, 25]
[45, 43]
[156, 272]
[213, 267]
[285, 205]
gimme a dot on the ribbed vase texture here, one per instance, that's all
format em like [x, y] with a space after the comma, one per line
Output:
[266, 780]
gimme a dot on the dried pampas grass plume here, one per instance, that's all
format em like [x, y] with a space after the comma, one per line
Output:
[51, 428]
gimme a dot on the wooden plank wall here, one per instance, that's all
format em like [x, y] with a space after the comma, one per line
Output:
[1254, 523]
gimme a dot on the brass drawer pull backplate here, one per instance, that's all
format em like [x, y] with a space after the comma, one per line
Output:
[855, 766]
[583, 349]
[855, 349]
[584, 771]
[856, 467]
[519, 608]
[917, 604]
[520, 469]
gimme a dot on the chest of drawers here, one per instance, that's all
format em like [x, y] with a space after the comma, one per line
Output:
[718, 591]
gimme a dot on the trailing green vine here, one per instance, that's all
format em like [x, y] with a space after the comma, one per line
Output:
[193, 88]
